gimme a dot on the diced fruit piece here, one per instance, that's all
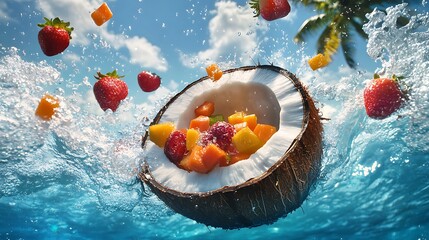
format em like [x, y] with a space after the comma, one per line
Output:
[203, 159]
[214, 72]
[194, 162]
[205, 109]
[318, 61]
[251, 120]
[216, 118]
[211, 156]
[47, 105]
[235, 118]
[264, 131]
[192, 137]
[221, 134]
[184, 164]
[102, 14]
[175, 147]
[158, 133]
[201, 123]
[246, 141]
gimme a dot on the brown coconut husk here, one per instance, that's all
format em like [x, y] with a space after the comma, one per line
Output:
[262, 200]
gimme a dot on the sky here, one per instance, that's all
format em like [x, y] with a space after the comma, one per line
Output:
[175, 39]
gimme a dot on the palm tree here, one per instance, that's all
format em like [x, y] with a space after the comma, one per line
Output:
[341, 19]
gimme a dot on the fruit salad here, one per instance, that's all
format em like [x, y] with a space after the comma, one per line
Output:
[211, 139]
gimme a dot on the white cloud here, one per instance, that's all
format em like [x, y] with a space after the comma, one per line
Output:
[72, 57]
[232, 36]
[141, 51]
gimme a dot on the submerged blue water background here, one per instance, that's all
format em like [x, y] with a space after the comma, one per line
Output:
[75, 177]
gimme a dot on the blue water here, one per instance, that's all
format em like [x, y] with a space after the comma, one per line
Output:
[75, 177]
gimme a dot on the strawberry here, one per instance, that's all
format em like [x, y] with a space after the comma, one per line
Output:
[382, 97]
[175, 146]
[148, 81]
[54, 37]
[270, 9]
[110, 90]
[220, 133]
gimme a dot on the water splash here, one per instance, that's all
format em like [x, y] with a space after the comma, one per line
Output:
[403, 51]
[97, 153]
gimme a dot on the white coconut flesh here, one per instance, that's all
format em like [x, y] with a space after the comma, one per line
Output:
[270, 95]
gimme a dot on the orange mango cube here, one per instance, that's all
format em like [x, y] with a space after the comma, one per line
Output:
[212, 155]
[102, 14]
[318, 61]
[205, 109]
[193, 161]
[214, 72]
[158, 133]
[251, 120]
[201, 123]
[264, 131]
[236, 118]
[47, 106]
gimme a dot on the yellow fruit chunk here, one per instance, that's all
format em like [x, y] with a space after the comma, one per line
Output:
[158, 133]
[236, 118]
[246, 141]
[318, 61]
[102, 14]
[251, 120]
[214, 72]
[47, 105]
[264, 131]
[192, 136]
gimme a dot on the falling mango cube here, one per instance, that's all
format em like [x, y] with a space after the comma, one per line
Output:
[214, 72]
[47, 107]
[318, 61]
[101, 14]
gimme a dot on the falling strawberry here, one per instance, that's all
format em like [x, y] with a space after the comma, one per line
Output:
[270, 9]
[382, 97]
[110, 90]
[148, 81]
[54, 37]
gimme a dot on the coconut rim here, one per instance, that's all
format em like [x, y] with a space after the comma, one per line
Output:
[147, 177]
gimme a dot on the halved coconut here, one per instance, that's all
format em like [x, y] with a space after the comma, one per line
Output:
[272, 182]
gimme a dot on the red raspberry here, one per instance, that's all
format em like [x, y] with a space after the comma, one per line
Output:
[175, 147]
[221, 134]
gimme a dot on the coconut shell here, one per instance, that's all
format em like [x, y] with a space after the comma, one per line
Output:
[262, 200]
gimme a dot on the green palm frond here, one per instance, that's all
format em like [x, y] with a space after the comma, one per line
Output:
[310, 25]
[339, 19]
[329, 41]
[358, 28]
[348, 48]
